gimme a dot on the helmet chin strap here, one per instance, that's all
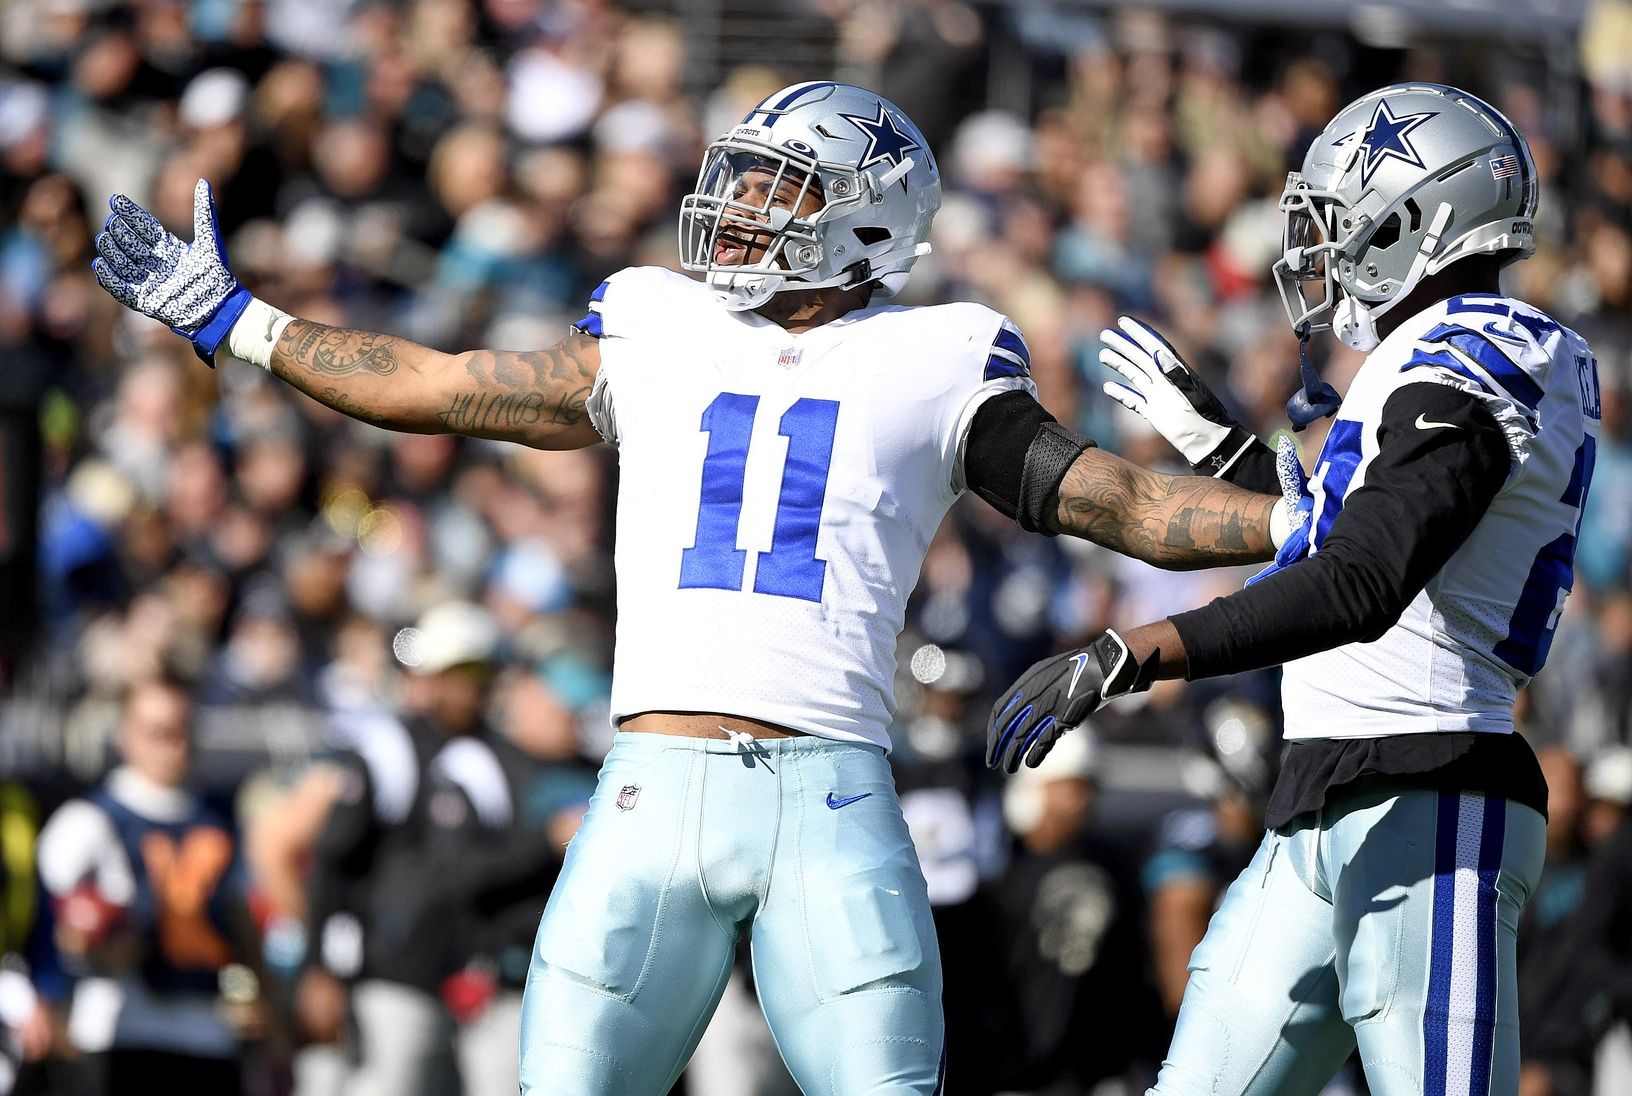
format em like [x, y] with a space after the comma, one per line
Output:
[1355, 323]
[1316, 399]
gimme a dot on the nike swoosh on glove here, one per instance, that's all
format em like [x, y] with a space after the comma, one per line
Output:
[1058, 693]
[148, 269]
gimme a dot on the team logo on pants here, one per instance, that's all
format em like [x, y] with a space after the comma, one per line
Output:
[627, 797]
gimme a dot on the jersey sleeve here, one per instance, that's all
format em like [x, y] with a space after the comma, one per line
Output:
[1501, 357]
[996, 360]
[1424, 492]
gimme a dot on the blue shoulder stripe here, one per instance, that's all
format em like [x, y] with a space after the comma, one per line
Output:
[1009, 356]
[1444, 359]
[591, 325]
[1009, 339]
[600, 291]
[1003, 364]
[1502, 369]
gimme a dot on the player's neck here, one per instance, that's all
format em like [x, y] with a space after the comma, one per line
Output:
[801, 310]
[1468, 276]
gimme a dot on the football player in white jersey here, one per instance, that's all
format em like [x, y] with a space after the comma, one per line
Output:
[1406, 829]
[787, 447]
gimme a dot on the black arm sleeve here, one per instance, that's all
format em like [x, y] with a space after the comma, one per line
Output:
[1423, 494]
[1015, 456]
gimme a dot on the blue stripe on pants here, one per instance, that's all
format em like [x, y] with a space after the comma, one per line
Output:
[1449, 859]
[1490, 864]
[1436, 1018]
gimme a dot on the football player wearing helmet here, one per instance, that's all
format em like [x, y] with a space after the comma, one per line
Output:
[788, 442]
[1405, 830]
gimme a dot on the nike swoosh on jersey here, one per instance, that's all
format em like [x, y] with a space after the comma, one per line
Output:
[1081, 661]
[1497, 333]
[1424, 423]
[835, 804]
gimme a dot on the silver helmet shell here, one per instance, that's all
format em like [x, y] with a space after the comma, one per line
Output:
[868, 168]
[1402, 183]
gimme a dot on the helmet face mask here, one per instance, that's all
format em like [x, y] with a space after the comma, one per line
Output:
[821, 185]
[755, 215]
[1402, 183]
[1306, 273]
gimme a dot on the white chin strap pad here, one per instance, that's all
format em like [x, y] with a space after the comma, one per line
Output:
[1354, 325]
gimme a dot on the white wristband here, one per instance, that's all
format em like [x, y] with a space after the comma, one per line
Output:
[256, 333]
[1280, 523]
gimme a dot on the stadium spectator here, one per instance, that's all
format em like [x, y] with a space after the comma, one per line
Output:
[1074, 919]
[379, 913]
[150, 910]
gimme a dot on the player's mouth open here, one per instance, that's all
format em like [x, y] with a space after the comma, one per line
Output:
[730, 250]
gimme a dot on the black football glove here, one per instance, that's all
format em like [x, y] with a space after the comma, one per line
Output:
[1058, 693]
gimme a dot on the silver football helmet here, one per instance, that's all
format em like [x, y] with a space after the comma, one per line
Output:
[1403, 182]
[822, 184]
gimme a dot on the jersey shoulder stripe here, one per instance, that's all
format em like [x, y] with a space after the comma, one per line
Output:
[1480, 347]
[1009, 356]
[593, 324]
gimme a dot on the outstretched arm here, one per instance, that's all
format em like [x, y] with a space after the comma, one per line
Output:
[537, 398]
[1175, 522]
[1423, 495]
[1050, 479]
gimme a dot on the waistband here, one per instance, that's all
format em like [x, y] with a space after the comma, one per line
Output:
[656, 742]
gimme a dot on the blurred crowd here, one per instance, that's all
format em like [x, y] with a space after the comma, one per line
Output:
[300, 714]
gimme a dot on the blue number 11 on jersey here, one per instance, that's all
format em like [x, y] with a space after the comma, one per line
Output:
[790, 568]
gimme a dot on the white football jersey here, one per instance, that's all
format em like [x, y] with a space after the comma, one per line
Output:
[777, 493]
[1482, 626]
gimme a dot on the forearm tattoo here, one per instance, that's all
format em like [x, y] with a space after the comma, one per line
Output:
[1177, 522]
[526, 396]
[336, 351]
[527, 388]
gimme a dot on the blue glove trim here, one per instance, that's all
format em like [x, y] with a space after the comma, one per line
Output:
[208, 337]
[1037, 732]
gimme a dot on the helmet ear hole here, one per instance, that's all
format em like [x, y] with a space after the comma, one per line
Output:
[871, 234]
[1415, 210]
[1386, 234]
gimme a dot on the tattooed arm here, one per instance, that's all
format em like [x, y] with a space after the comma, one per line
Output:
[534, 397]
[1175, 522]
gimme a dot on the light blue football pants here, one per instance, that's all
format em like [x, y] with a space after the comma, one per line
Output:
[689, 842]
[1388, 922]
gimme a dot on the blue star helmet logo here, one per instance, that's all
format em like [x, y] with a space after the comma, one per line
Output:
[886, 143]
[1387, 137]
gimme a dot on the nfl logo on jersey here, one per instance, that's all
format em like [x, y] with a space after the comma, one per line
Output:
[627, 796]
[789, 357]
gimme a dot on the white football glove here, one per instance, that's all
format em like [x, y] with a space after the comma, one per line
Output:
[1162, 388]
[149, 269]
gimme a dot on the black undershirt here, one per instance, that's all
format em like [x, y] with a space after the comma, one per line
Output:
[1424, 492]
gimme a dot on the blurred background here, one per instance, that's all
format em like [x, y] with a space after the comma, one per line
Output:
[361, 678]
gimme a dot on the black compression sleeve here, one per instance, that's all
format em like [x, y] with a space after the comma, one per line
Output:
[1017, 454]
[1254, 470]
[1423, 494]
